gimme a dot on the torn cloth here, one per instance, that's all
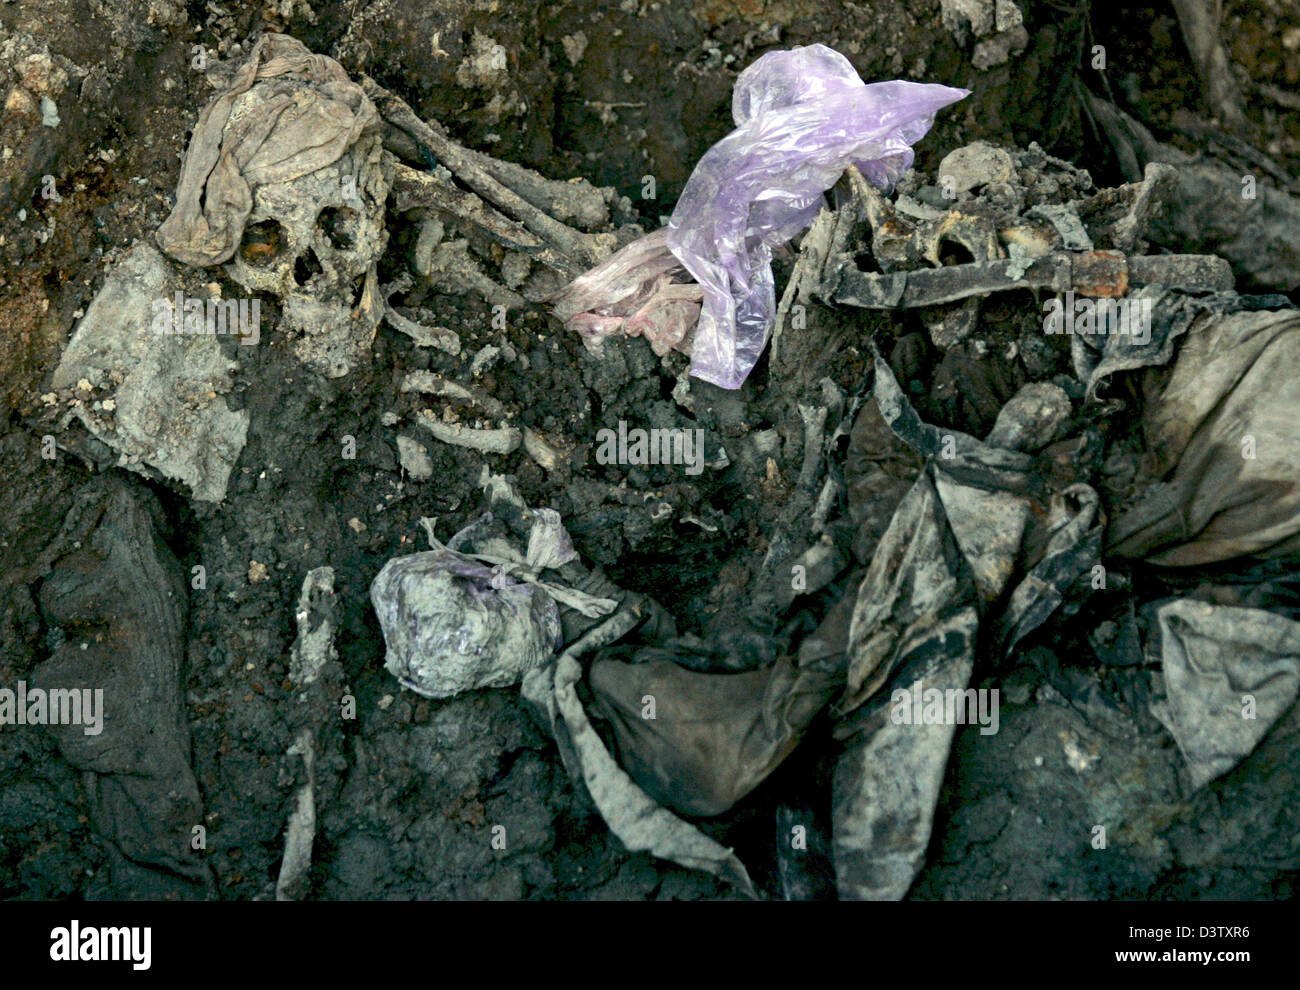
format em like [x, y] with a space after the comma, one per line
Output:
[940, 570]
[632, 815]
[710, 738]
[1221, 425]
[1229, 674]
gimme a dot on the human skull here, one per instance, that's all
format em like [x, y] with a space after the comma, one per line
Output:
[900, 242]
[315, 242]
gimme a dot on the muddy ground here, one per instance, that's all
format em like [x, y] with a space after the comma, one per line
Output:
[413, 787]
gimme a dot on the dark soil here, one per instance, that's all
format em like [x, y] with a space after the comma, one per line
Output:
[415, 786]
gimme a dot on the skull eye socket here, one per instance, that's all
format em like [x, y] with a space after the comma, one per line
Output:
[336, 223]
[954, 253]
[866, 262]
[262, 243]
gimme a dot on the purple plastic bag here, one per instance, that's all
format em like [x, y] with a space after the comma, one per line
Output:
[802, 117]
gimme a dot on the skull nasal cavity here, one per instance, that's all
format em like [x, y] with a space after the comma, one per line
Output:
[262, 242]
[306, 267]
